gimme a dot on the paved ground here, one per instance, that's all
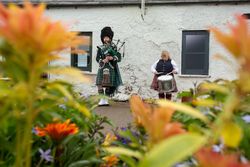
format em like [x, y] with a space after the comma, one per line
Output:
[118, 112]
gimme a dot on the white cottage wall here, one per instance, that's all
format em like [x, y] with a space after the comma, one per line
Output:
[161, 28]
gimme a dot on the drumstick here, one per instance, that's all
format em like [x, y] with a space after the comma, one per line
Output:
[163, 72]
[169, 73]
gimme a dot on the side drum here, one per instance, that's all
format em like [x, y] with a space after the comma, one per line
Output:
[165, 83]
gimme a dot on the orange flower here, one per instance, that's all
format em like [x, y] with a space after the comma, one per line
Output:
[110, 161]
[58, 131]
[207, 158]
[156, 120]
[29, 32]
[237, 41]
[172, 129]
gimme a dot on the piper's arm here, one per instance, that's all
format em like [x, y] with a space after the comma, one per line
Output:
[117, 57]
[99, 57]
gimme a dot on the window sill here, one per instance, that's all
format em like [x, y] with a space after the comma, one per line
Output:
[194, 76]
[88, 73]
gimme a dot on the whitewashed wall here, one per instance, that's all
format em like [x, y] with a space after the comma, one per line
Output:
[161, 29]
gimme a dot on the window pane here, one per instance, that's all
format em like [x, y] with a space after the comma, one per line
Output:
[83, 60]
[195, 43]
[194, 61]
[86, 46]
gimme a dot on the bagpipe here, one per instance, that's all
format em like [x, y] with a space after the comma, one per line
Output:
[119, 45]
[112, 49]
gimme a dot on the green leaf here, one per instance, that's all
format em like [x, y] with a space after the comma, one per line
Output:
[185, 94]
[80, 163]
[129, 160]
[173, 150]
[183, 108]
[124, 151]
[244, 144]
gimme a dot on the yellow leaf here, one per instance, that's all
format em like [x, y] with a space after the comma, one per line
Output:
[204, 102]
[72, 73]
[173, 150]
[22, 89]
[244, 82]
[214, 87]
[45, 59]
[231, 134]
[82, 109]
[62, 89]
[183, 108]
[124, 151]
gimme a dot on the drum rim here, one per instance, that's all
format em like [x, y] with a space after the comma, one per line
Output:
[170, 77]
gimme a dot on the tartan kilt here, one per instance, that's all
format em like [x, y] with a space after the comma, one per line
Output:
[155, 86]
[114, 77]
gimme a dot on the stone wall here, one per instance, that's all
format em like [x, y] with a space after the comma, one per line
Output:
[145, 37]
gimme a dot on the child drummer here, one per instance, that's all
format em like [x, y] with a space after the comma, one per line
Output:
[165, 65]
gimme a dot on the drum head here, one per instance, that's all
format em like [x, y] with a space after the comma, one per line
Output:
[165, 78]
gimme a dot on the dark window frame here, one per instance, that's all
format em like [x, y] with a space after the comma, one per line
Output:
[74, 61]
[203, 71]
[247, 15]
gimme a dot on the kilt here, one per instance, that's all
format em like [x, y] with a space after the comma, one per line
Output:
[114, 77]
[154, 84]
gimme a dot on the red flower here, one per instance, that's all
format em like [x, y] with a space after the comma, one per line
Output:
[207, 158]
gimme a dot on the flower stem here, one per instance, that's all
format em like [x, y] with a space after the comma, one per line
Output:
[40, 162]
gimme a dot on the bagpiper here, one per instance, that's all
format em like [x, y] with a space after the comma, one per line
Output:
[108, 76]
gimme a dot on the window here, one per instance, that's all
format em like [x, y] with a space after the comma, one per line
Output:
[247, 15]
[83, 61]
[195, 52]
